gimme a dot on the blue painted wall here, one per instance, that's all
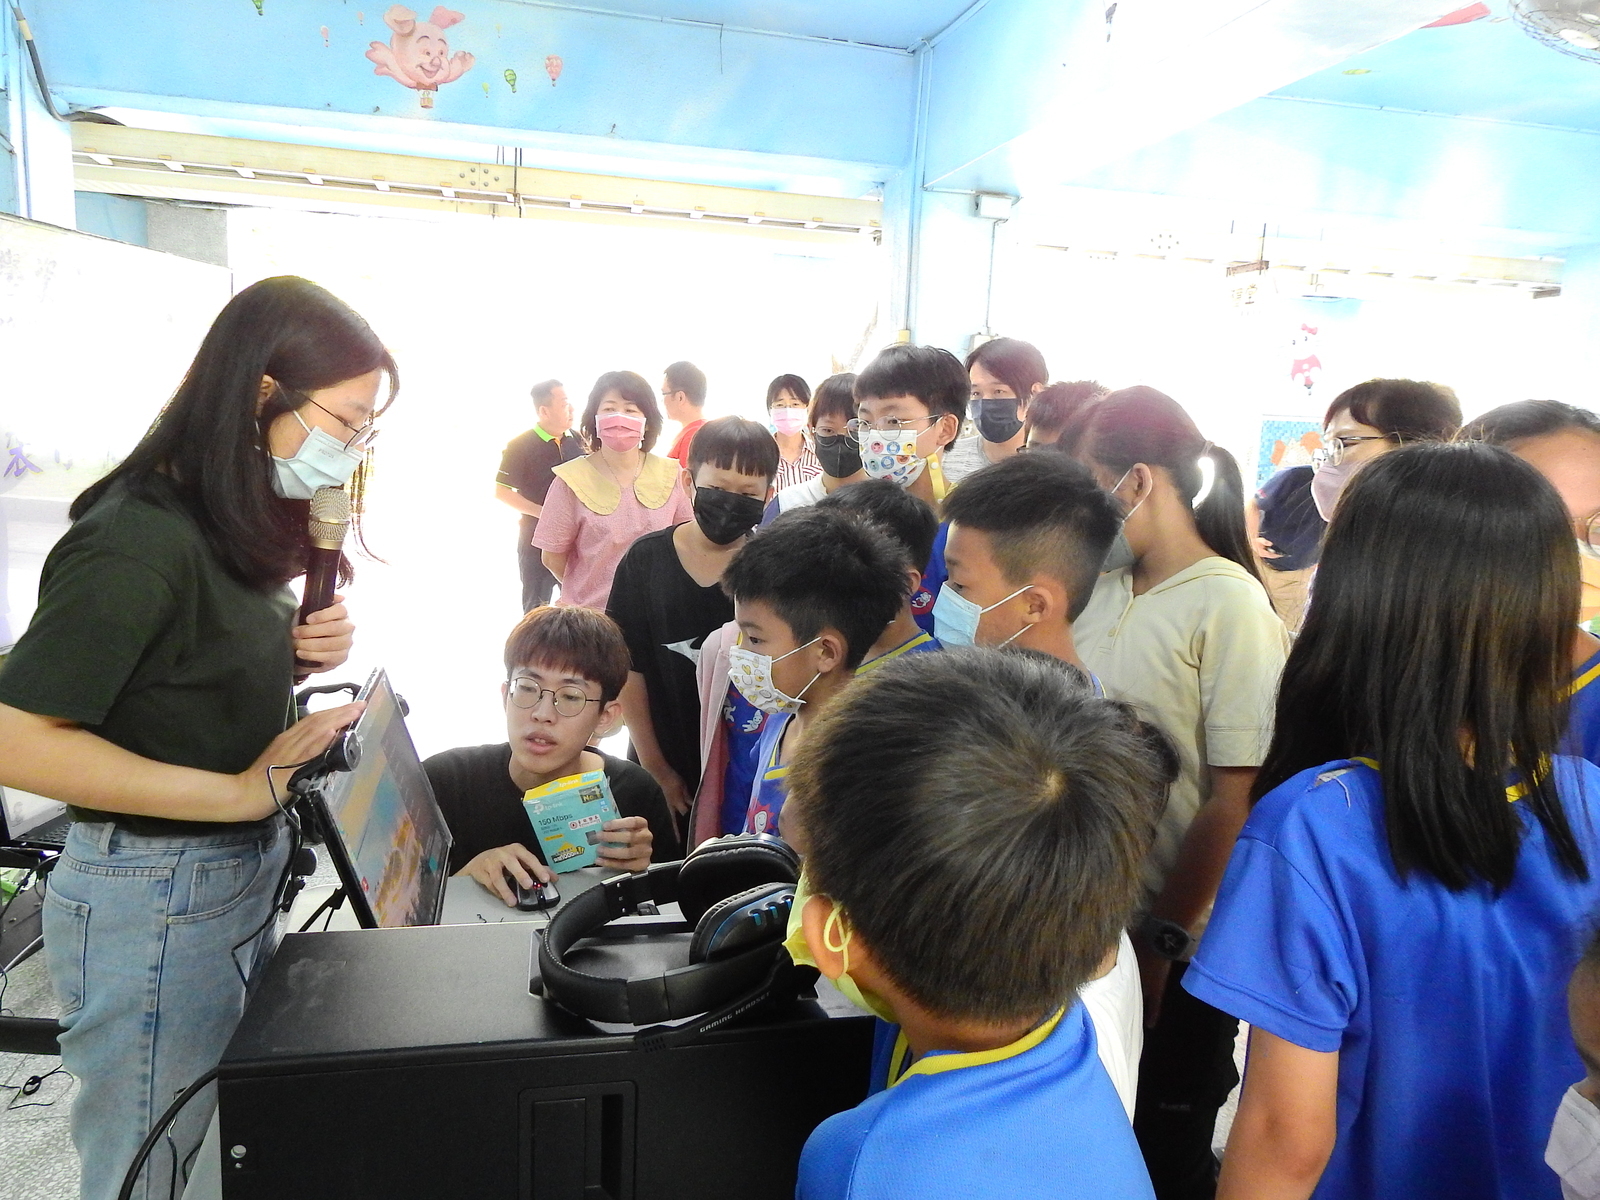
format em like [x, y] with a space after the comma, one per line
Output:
[9, 79]
[121, 217]
[1532, 188]
[622, 77]
[993, 74]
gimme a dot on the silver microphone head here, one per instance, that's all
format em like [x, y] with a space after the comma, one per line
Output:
[330, 517]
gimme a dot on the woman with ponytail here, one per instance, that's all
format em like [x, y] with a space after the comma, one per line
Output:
[1181, 626]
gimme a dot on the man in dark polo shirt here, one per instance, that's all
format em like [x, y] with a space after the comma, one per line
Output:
[525, 474]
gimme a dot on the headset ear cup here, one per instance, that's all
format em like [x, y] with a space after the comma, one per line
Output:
[723, 931]
[725, 866]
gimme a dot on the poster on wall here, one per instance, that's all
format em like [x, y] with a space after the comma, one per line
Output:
[1285, 442]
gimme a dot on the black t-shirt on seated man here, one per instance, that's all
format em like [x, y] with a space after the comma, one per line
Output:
[484, 808]
[665, 616]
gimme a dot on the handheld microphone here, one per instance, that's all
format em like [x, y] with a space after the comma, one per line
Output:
[330, 521]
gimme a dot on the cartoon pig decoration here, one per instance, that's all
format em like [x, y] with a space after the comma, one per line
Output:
[418, 55]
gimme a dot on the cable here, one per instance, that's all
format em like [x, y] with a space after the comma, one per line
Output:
[156, 1131]
[38, 67]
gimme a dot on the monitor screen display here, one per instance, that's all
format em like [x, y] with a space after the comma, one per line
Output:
[393, 838]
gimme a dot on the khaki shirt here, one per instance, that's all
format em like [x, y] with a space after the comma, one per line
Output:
[1199, 655]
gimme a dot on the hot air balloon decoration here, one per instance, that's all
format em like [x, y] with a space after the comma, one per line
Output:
[511, 79]
[258, 4]
[325, 41]
[552, 67]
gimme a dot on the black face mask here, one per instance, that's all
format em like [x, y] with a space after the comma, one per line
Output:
[839, 455]
[725, 517]
[997, 420]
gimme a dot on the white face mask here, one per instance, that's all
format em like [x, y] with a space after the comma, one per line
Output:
[892, 454]
[751, 673]
[322, 461]
[1574, 1149]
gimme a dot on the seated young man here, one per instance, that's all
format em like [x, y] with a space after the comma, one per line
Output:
[811, 594]
[968, 927]
[565, 668]
[667, 596]
[1027, 537]
[912, 524]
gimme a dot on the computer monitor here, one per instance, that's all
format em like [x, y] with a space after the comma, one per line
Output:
[32, 821]
[385, 833]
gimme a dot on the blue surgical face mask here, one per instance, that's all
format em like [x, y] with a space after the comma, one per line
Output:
[955, 618]
[1121, 554]
[322, 461]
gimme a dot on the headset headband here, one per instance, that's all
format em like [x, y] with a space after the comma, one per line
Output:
[682, 992]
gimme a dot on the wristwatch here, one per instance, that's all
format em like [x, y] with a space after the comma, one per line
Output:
[1167, 938]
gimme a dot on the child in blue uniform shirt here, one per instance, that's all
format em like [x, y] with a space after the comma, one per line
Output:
[967, 927]
[811, 594]
[912, 524]
[1408, 897]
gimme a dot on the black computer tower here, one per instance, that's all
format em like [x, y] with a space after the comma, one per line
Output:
[415, 1063]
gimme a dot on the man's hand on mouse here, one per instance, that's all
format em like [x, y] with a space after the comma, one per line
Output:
[495, 869]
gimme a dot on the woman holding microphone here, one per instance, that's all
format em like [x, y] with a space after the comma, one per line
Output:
[153, 693]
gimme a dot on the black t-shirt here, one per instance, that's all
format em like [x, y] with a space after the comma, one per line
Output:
[1290, 520]
[483, 807]
[143, 638]
[665, 616]
[529, 463]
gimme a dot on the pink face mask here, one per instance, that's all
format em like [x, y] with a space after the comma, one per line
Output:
[1328, 484]
[620, 431]
[788, 421]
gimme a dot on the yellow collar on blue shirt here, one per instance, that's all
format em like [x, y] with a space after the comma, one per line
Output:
[937, 1064]
[1584, 680]
[922, 639]
[1513, 793]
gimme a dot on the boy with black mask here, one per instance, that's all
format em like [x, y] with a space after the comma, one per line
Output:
[667, 597]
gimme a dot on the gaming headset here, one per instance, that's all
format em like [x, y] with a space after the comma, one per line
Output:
[735, 893]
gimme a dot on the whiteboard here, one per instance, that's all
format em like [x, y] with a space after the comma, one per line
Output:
[95, 335]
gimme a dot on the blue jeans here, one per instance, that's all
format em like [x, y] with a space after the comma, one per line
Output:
[138, 935]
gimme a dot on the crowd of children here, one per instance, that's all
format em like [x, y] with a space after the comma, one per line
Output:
[1074, 799]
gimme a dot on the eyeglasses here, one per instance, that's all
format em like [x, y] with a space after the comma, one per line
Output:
[857, 426]
[569, 701]
[361, 436]
[1591, 537]
[1335, 449]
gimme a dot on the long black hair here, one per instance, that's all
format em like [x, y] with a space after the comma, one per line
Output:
[1141, 425]
[1438, 643]
[210, 442]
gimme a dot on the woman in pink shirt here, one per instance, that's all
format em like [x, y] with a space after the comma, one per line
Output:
[598, 505]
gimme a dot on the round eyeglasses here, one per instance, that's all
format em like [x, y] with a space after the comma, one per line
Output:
[361, 436]
[857, 426]
[1591, 537]
[1335, 448]
[569, 701]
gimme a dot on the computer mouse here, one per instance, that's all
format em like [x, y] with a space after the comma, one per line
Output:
[539, 897]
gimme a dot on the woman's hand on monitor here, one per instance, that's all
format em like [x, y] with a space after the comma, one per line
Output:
[294, 747]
